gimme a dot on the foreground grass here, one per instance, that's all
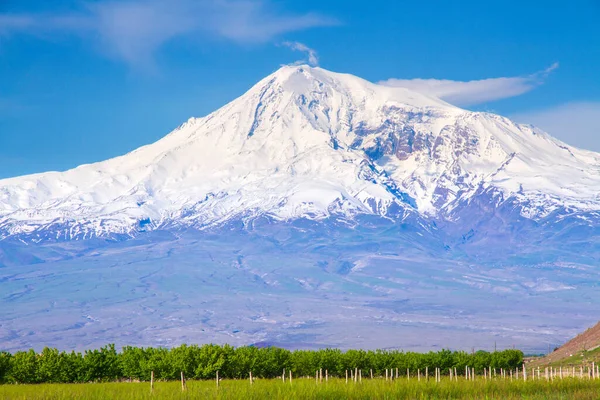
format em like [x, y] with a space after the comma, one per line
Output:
[576, 389]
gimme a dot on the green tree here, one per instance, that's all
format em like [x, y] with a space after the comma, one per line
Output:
[101, 365]
[202, 362]
[183, 359]
[5, 363]
[75, 367]
[132, 360]
[243, 361]
[52, 366]
[24, 367]
[212, 358]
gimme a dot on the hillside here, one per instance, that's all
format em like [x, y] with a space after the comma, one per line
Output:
[582, 349]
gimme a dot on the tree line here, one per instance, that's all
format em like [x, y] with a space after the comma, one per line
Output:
[203, 362]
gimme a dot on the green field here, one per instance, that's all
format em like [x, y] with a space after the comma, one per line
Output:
[571, 389]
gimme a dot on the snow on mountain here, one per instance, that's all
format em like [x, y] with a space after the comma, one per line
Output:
[306, 142]
[498, 239]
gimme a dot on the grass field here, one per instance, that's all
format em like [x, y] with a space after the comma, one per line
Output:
[572, 389]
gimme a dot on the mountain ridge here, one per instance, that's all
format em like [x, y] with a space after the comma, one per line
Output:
[306, 142]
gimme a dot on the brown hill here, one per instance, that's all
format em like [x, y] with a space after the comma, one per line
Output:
[577, 350]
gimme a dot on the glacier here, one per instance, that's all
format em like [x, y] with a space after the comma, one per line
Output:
[317, 209]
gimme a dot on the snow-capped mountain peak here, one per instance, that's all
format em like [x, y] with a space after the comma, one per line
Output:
[306, 142]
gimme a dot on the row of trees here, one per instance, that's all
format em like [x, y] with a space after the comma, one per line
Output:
[203, 362]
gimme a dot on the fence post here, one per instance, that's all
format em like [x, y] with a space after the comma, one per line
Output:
[151, 381]
[182, 382]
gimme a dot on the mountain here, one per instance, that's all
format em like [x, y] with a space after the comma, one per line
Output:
[317, 209]
[306, 142]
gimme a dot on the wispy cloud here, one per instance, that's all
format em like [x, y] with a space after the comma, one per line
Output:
[474, 92]
[133, 30]
[574, 123]
[311, 54]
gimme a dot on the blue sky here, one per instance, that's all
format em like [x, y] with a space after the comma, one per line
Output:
[82, 81]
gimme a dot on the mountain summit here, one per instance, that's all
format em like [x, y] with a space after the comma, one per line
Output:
[307, 142]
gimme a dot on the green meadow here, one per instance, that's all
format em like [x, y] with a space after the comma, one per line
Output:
[308, 388]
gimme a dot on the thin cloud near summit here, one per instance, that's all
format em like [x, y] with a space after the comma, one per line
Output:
[311, 54]
[474, 92]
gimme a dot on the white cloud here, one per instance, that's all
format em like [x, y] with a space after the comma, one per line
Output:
[311, 54]
[133, 30]
[574, 123]
[474, 92]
